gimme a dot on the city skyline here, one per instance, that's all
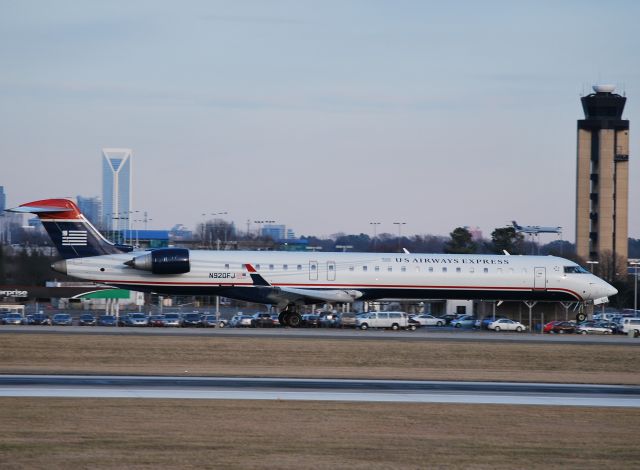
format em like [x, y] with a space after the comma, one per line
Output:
[324, 117]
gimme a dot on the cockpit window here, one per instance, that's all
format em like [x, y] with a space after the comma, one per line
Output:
[575, 270]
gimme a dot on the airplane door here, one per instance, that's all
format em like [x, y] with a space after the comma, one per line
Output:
[331, 270]
[540, 278]
[313, 270]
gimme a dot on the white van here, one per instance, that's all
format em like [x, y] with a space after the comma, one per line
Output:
[393, 320]
[630, 324]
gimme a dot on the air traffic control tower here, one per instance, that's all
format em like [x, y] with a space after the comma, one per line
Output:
[602, 190]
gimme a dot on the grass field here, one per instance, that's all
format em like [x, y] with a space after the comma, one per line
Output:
[125, 433]
[305, 357]
[154, 433]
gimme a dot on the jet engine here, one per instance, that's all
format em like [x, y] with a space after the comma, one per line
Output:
[163, 261]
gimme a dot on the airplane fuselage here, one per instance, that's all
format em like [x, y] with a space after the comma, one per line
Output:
[369, 275]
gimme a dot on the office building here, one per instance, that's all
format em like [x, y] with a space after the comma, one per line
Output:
[602, 189]
[3, 200]
[91, 207]
[116, 188]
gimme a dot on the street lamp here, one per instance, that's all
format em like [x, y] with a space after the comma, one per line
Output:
[635, 285]
[261, 222]
[399, 224]
[374, 225]
[592, 263]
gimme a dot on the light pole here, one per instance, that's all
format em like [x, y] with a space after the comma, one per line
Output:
[591, 263]
[261, 222]
[374, 225]
[635, 264]
[399, 224]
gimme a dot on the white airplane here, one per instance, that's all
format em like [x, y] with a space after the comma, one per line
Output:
[293, 279]
[535, 229]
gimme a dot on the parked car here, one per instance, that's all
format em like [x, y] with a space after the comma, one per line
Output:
[505, 324]
[123, 318]
[593, 328]
[310, 320]
[329, 319]
[210, 321]
[465, 321]
[12, 318]
[276, 319]
[107, 320]
[191, 319]
[484, 322]
[157, 320]
[240, 320]
[629, 323]
[429, 320]
[62, 319]
[172, 319]
[40, 319]
[392, 320]
[137, 319]
[560, 327]
[346, 320]
[613, 326]
[262, 320]
[87, 319]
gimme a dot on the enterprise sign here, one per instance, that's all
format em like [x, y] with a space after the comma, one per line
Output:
[14, 293]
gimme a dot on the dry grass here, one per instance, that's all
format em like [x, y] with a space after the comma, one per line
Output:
[130, 433]
[277, 357]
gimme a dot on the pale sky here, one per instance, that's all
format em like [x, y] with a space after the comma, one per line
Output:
[321, 115]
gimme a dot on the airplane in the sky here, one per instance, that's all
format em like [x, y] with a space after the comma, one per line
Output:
[293, 279]
[535, 229]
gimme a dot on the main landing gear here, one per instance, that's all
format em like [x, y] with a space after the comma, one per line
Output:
[290, 316]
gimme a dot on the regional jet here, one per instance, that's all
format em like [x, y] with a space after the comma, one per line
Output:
[290, 280]
[535, 229]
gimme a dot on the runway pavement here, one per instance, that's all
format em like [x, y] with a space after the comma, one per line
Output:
[399, 391]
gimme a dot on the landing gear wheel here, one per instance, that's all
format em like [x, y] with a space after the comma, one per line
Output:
[294, 320]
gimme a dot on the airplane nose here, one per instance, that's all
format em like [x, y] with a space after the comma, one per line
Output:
[611, 291]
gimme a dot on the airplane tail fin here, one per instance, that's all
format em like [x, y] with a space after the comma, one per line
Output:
[72, 234]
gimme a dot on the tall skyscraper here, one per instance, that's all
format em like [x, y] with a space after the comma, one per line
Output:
[116, 188]
[602, 190]
[3, 200]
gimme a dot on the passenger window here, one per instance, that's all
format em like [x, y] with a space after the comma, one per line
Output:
[486, 270]
[299, 267]
[458, 270]
[226, 266]
[430, 269]
[351, 268]
[472, 270]
[271, 267]
[257, 267]
[389, 268]
[444, 270]
[364, 268]
[285, 267]
[403, 269]
[377, 268]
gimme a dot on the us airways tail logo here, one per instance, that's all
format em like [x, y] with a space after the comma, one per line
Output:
[74, 238]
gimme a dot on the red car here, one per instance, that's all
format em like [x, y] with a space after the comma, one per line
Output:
[560, 327]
